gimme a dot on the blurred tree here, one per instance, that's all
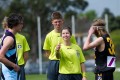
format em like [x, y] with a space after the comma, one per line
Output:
[1, 15]
[30, 10]
[117, 20]
[66, 6]
[69, 14]
[89, 15]
[111, 18]
[113, 22]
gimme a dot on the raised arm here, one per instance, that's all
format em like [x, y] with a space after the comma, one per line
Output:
[88, 44]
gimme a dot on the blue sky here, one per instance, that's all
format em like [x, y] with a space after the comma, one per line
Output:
[100, 5]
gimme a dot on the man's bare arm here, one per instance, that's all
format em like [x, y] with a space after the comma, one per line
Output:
[47, 53]
[26, 56]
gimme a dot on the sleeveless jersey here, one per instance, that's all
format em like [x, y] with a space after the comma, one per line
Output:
[105, 60]
[11, 53]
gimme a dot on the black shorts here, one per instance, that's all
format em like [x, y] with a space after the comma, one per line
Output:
[21, 73]
[108, 75]
[70, 77]
[53, 70]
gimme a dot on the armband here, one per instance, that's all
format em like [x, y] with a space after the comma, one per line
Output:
[84, 74]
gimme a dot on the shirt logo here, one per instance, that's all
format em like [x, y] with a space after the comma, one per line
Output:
[111, 61]
[58, 36]
[69, 48]
[19, 46]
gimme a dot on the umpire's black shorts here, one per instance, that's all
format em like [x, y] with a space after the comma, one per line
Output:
[53, 70]
[70, 77]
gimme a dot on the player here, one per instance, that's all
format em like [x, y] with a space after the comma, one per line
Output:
[104, 50]
[22, 50]
[8, 47]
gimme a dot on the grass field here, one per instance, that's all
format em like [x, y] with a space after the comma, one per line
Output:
[90, 76]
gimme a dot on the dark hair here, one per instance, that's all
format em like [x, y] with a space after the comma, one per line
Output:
[56, 15]
[68, 28]
[14, 19]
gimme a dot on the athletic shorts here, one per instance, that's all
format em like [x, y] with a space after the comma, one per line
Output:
[108, 75]
[70, 77]
[21, 73]
[53, 70]
[8, 74]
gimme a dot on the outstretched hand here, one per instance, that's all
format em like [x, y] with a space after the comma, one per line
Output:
[58, 47]
[57, 50]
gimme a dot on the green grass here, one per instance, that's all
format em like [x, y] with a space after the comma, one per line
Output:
[35, 77]
[90, 76]
[117, 64]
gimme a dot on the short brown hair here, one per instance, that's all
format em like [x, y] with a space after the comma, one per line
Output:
[98, 22]
[56, 15]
